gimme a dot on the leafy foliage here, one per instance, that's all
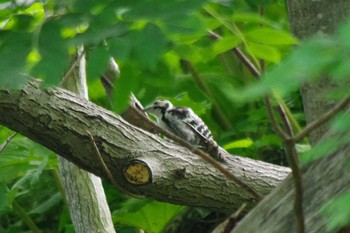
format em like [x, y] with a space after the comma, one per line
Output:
[156, 43]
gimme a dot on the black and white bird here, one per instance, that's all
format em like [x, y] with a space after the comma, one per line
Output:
[181, 121]
[184, 123]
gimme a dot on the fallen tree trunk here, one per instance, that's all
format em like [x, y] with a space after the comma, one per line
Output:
[139, 163]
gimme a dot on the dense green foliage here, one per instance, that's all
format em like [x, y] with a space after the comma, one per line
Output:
[156, 43]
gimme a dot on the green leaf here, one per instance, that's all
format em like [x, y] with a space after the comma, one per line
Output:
[302, 148]
[187, 52]
[23, 159]
[120, 48]
[265, 52]
[14, 49]
[150, 45]
[268, 140]
[340, 123]
[3, 198]
[250, 18]
[6, 197]
[225, 44]
[54, 54]
[159, 9]
[149, 216]
[124, 85]
[20, 22]
[242, 143]
[270, 36]
[97, 63]
[306, 63]
[190, 25]
[97, 35]
[337, 212]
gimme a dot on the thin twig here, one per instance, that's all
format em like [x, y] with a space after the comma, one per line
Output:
[324, 118]
[238, 53]
[105, 168]
[279, 131]
[70, 71]
[200, 153]
[292, 156]
[8, 140]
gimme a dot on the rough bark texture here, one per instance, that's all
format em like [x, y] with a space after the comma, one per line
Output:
[316, 18]
[86, 198]
[322, 180]
[87, 201]
[62, 122]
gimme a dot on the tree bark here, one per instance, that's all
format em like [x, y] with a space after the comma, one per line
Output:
[316, 18]
[86, 198]
[139, 163]
[322, 180]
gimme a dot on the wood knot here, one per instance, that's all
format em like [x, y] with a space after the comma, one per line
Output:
[138, 173]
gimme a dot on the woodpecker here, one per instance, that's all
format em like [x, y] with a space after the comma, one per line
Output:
[184, 123]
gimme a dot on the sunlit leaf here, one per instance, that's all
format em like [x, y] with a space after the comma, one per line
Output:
[270, 36]
[265, 52]
[242, 143]
[226, 44]
[301, 148]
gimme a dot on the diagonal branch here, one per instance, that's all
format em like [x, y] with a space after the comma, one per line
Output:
[59, 120]
[324, 118]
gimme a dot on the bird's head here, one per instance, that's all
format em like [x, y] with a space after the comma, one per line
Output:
[159, 107]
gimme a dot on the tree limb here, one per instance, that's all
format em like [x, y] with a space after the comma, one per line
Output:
[61, 121]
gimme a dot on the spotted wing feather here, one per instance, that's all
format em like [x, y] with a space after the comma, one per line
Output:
[185, 122]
